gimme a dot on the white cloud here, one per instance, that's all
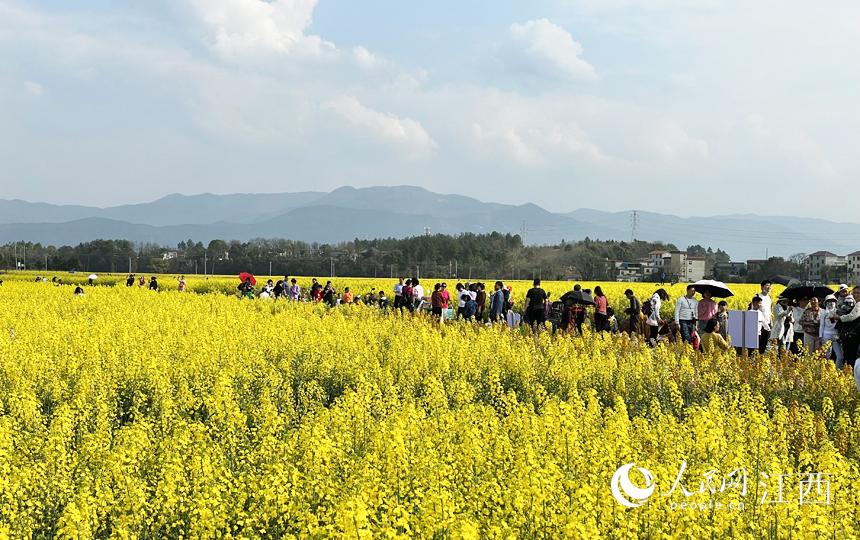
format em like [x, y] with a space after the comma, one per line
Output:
[671, 142]
[247, 27]
[404, 132]
[542, 48]
[367, 59]
[34, 88]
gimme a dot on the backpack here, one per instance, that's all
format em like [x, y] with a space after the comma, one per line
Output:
[470, 308]
[508, 305]
[647, 308]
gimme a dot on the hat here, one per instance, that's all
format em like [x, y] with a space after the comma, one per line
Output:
[843, 286]
[829, 298]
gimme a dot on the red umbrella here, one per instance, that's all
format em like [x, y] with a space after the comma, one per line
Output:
[244, 276]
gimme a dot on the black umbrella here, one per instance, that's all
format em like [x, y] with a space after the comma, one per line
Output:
[806, 291]
[577, 297]
[785, 280]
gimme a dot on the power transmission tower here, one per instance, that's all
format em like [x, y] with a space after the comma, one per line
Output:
[426, 231]
[634, 225]
[523, 231]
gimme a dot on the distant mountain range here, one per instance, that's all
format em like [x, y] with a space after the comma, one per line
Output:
[347, 213]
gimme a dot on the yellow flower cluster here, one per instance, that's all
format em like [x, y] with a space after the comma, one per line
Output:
[132, 414]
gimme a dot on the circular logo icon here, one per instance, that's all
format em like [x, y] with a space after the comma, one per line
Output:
[625, 492]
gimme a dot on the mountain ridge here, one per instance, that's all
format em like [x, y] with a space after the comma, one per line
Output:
[398, 211]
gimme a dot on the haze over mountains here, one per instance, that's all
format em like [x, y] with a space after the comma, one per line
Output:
[348, 213]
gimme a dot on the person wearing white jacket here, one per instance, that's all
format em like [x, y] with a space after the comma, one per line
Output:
[828, 331]
[654, 321]
[783, 324]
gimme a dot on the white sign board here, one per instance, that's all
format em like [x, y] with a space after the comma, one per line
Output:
[743, 328]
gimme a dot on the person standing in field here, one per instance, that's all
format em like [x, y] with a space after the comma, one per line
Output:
[706, 310]
[797, 309]
[535, 306]
[766, 308]
[686, 312]
[755, 305]
[480, 301]
[461, 301]
[436, 303]
[295, 292]
[783, 325]
[446, 296]
[141, 281]
[654, 321]
[849, 330]
[829, 332]
[497, 302]
[406, 297]
[153, 284]
[181, 285]
[723, 317]
[601, 304]
[633, 312]
[417, 293]
[129, 282]
[398, 293]
[811, 322]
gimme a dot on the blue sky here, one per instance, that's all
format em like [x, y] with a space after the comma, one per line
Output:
[693, 107]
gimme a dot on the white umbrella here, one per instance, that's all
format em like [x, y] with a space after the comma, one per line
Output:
[718, 289]
[92, 276]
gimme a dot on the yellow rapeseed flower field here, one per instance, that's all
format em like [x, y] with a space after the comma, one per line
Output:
[133, 414]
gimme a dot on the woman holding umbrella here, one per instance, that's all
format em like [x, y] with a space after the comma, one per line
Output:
[707, 309]
[246, 287]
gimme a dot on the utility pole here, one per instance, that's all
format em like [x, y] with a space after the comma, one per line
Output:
[270, 268]
[331, 261]
[204, 262]
[456, 272]
[46, 263]
[129, 266]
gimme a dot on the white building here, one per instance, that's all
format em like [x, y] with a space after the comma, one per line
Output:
[854, 266]
[820, 265]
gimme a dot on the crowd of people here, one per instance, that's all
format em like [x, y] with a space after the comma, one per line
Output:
[789, 324]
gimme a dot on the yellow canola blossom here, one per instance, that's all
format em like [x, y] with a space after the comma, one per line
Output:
[132, 414]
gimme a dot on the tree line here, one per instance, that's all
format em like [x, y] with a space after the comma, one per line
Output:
[467, 255]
